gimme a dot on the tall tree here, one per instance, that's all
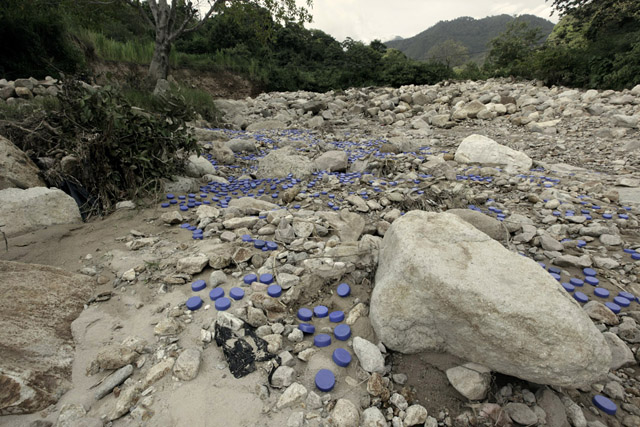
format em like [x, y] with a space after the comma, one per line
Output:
[450, 52]
[173, 18]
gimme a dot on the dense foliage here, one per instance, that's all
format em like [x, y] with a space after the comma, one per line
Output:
[596, 45]
[473, 34]
[120, 151]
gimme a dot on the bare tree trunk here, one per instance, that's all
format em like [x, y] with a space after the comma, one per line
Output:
[163, 16]
[159, 68]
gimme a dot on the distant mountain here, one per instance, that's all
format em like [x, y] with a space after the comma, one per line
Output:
[475, 34]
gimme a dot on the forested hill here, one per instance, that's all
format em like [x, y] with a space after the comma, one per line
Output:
[474, 34]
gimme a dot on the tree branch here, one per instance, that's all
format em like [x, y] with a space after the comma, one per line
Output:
[183, 28]
[143, 13]
[154, 9]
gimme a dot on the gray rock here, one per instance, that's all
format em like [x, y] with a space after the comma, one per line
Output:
[415, 415]
[574, 412]
[22, 211]
[600, 313]
[610, 240]
[489, 226]
[283, 377]
[266, 125]
[171, 218]
[423, 303]
[332, 161]
[369, 355]
[470, 380]
[628, 330]
[548, 243]
[198, 166]
[38, 304]
[521, 414]
[239, 145]
[168, 326]
[192, 264]
[114, 380]
[573, 261]
[16, 168]
[251, 206]
[282, 162]
[187, 364]
[345, 414]
[614, 390]
[372, 417]
[553, 407]
[621, 354]
[478, 149]
[292, 396]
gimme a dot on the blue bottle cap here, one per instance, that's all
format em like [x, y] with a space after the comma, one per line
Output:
[622, 301]
[198, 285]
[336, 316]
[627, 295]
[236, 293]
[307, 328]
[267, 278]
[216, 293]
[250, 278]
[556, 276]
[325, 380]
[192, 228]
[341, 357]
[305, 314]
[635, 256]
[223, 304]
[601, 292]
[184, 208]
[274, 291]
[322, 340]
[576, 282]
[589, 271]
[320, 311]
[605, 404]
[591, 280]
[568, 287]
[607, 216]
[247, 238]
[613, 307]
[555, 270]
[272, 246]
[194, 303]
[580, 297]
[342, 332]
[344, 290]
[185, 225]
[629, 251]
[165, 205]
[170, 196]
[258, 244]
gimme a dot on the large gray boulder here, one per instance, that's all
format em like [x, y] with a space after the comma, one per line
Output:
[282, 162]
[16, 168]
[443, 285]
[478, 149]
[332, 161]
[38, 304]
[198, 166]
[22, 211]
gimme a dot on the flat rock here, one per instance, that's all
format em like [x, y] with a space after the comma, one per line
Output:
[38, 304]
[470, 380]
[488, 225]
[433, 302]
[369, 355]
[621, 354]
[192, 264]
[187, 364]
[16, 168]
[282, 162]
[22, 211]
[521, 413]
[198, 166]
[332, 161]
[478, 149]
[345, 414]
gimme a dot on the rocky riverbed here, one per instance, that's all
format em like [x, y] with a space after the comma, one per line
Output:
[459, 254]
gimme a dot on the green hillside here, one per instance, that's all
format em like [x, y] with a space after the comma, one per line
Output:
[474, 34]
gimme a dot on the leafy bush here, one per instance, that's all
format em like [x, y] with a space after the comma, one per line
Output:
[123, 152]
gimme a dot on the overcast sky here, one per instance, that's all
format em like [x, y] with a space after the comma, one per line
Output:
[367, 20]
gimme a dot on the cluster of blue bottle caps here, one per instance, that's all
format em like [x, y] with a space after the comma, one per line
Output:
[325, 379]
[263, 245]
[222, 302]
[623, 299]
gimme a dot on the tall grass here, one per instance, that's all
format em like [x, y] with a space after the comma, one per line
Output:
[141, 52]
